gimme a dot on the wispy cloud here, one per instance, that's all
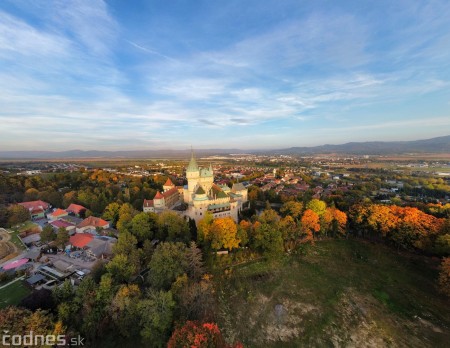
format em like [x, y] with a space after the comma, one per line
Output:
[84, 70]
[145, 49]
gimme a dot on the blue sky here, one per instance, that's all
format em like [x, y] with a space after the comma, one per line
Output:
[245, 74]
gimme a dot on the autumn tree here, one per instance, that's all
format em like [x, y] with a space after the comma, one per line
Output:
[124, 310]
[222, 234]
[121, 267]
[293, 209]
[267, 238]
[194, 334]
[243, 232]
[289, 231]
[334, 221]
[317, 206]
[17, 214]
[310, 225]
[203, 228]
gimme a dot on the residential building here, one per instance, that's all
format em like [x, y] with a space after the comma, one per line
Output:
[37, 209]
[91, 224]
[76, 209]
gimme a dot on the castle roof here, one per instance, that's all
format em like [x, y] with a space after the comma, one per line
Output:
[148, 203]
[168, 182]
[238, 187]
[170, 192]
[192, 166]
[200, 191]
[221, 194]
[158, 195]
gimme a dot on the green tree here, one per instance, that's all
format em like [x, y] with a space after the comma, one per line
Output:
[111, 213]
[267, 238]
[173, 227]
[142, 227]
[62, 237]
[121, 268]
[167, 263]
[156, 317]
[48, 234]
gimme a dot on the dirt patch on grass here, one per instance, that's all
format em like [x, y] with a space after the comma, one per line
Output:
[6, 247]
[278, 320]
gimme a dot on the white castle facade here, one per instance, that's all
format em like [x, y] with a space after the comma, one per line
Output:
[202, 195]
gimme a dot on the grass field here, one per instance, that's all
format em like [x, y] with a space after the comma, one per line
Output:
[16, 230]
[336, 293]
[12, 294]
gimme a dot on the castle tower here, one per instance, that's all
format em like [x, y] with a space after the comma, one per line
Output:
[192, 174]
[168, 185]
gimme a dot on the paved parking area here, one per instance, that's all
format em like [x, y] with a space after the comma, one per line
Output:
[78, 263]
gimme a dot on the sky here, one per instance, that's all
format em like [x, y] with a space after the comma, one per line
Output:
[249, 74]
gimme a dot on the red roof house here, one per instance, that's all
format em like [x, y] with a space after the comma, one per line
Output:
[58, 213]
[76, 209]
[80, 240]
[36, 208]
[91, 223]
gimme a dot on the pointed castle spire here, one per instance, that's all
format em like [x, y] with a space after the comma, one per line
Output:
[192, 166]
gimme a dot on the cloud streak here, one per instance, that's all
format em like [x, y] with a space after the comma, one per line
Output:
[94, 71]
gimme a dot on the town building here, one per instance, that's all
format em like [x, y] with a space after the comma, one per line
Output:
[90, 225]
[37, 209]
[76, 209]
[57, 214]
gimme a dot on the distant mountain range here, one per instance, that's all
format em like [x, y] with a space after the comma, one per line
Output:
[434, 145]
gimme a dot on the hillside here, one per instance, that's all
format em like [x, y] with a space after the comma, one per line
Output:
[336, 293]
[434, 145]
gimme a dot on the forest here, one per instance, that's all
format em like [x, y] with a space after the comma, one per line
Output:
[160, 286]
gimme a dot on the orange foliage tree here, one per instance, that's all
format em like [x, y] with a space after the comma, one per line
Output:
[196, 335]
[406, 227]
[310, 225]
[334, 221]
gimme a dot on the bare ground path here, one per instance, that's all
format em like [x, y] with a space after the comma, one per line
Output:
[6, 247]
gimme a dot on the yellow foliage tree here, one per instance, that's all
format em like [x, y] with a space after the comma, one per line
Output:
[223, 234]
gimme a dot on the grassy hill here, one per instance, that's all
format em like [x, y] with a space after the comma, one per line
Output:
[336, 293]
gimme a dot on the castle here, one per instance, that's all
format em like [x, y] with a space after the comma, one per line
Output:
[201, 195]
